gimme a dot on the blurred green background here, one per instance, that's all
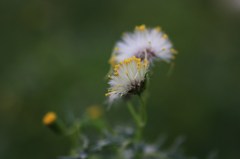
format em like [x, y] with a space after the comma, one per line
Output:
[54, 57]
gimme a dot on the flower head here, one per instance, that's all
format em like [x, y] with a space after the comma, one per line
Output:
[49, 118]
[128, 78]
[151, 42]
[94, 111]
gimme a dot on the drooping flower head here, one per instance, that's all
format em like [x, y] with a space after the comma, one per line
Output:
[150, 41]
[128, 78]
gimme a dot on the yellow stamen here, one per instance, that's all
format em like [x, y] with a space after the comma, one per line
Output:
[107, 94]
[132, 59]
[145, 63]
[140, 27]
[174, 51]
[112, 61]
[116, 49]
[165, 36]
[158, 29]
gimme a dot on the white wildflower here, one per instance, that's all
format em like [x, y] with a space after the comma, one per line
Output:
[150, 41]
[128, 78]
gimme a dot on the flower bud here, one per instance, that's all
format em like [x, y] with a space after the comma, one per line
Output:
[51, 120]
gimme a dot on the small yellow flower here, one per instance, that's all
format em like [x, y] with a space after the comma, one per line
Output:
[94, 111]
[49, 118]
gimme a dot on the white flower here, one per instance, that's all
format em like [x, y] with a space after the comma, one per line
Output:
[152, 42]
[128, 78]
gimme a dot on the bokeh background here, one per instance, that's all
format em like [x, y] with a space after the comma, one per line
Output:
[54, 53]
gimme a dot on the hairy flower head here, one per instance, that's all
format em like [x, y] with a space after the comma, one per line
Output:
[129, 77]
[151, 42]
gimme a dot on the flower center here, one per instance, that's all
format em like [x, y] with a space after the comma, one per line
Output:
[137, 87]
[147, 52]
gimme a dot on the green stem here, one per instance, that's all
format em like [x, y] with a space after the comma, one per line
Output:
[143, 110]
[137, 119]
[134, 113]
[73, 134]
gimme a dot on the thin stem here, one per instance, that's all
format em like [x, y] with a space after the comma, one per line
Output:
[134, 113]
[137, 119]
[143, 110]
